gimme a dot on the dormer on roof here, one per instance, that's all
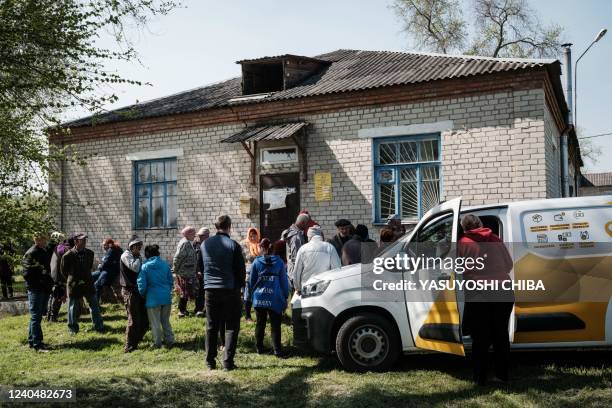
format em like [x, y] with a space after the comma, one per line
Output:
[272, 74]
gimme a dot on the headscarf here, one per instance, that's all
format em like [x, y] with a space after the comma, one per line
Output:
[187, 230]
[253, 245]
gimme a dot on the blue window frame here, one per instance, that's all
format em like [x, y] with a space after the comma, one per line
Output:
[406, 176]
[155, 194]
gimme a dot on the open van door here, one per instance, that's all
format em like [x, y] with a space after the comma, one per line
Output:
[434, 315]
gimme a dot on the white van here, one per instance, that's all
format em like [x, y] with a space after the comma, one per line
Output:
[556, 238]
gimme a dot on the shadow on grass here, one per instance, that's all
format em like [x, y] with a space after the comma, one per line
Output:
[92, 344]
[114, 318]
[546, 371]
[557, 376]
[291, 390]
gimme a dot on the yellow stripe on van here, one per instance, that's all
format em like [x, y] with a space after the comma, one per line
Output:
[443, 311]
[580, 287]
[593, 314]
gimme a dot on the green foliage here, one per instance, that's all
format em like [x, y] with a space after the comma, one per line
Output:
[50, 61]
[499, 28]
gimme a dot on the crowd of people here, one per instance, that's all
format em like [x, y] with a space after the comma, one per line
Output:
[223, 277]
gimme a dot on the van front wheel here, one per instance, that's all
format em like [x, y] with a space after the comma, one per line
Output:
[367, 342]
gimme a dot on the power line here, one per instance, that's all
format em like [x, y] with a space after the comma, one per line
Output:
[599, 135]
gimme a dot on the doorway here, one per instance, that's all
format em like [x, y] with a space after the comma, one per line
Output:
[279, 195]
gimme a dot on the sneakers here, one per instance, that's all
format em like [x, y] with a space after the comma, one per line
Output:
[200, 314]
[229, 367]
[211, 366]
[181, 314]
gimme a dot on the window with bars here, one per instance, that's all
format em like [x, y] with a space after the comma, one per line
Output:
[155, 194]
[406, 176]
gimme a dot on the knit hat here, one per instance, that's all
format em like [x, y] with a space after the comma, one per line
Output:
[187, 230]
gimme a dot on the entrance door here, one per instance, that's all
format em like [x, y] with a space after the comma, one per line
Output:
[279, 195]
[434, 314]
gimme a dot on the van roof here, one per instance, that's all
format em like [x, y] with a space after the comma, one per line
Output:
[583, 201]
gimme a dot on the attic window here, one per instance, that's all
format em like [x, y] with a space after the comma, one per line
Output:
[273, 74]
[262, 78]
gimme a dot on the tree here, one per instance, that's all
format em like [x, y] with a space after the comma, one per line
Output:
[50, 61]
[500, 28]
[435, 24]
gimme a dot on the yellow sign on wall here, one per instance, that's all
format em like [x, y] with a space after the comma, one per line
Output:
[323, 186]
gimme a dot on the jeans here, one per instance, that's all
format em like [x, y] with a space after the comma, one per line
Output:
[37, 302]
[101, 279]
[74, 313]
[275, 326]
[223, 308]
[159, 319]
[488, 322]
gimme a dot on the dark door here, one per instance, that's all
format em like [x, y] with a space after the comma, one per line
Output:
[279, 195]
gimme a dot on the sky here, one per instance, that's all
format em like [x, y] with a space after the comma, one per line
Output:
[199, 43]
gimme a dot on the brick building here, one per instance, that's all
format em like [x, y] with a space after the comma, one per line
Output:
[353, 134]
[596, 184]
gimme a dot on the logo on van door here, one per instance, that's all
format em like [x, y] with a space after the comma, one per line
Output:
[537, 218]
[564, 236]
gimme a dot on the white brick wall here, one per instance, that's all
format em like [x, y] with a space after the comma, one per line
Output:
[553, 152]
[499, 150]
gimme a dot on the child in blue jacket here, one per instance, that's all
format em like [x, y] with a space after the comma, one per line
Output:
[268, 289]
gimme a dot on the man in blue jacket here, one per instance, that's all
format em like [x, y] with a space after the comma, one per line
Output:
[224, 276]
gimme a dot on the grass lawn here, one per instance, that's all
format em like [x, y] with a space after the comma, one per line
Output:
[104, 376]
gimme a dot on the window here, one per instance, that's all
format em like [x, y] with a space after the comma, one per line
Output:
[406, 176]
[434, 239]
[277, 155]
[155, 193]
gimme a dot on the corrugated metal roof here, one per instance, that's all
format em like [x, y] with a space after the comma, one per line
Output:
[279, 57]
[271, 132]
[599, 179]
[349, 70]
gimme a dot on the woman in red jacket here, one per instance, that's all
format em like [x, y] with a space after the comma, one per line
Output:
[487, 313]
